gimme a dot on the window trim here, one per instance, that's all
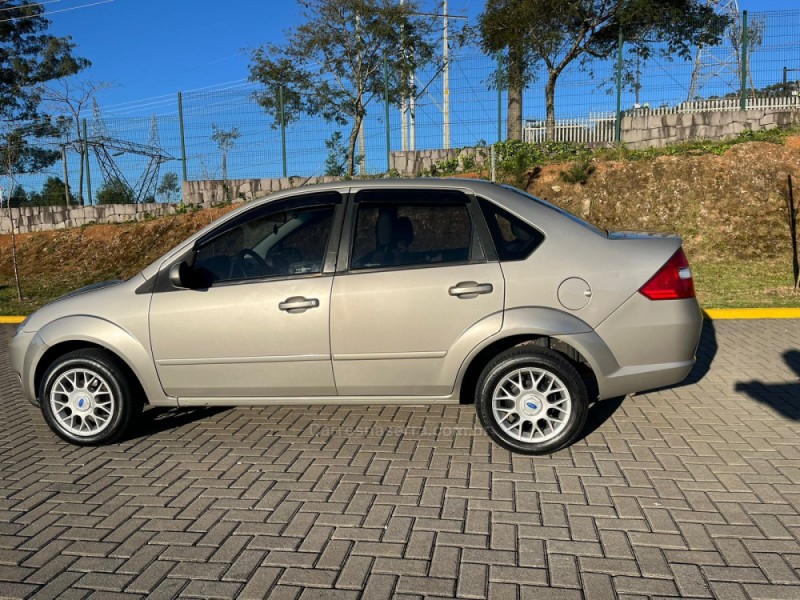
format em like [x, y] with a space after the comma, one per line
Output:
[309, 200]
[482, 252]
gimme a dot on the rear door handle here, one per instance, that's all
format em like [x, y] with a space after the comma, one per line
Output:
[298, 304]
[470, 289]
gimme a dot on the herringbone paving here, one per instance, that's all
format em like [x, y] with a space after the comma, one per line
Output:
[691, 491]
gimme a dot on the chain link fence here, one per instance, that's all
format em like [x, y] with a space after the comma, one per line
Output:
[141, 142]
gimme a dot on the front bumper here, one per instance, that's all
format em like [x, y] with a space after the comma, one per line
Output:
[22, 350]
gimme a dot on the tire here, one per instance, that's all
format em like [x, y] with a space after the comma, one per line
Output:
[86, 398]
[517, 409]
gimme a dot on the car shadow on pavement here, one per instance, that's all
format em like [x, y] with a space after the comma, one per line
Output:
[602, 410]
[706, 351]
[157, 419]
[783, 397]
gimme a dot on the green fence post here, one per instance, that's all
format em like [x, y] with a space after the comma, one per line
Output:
[183, 136]
[386, 102]
[618, 127]
[88, 170]
[499, 99]
[283, 128]
[744, 61]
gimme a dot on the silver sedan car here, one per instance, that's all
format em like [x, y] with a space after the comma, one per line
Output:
[365, 292]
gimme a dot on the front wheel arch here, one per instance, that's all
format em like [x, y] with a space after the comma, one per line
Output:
[57, 351]
[95, 376]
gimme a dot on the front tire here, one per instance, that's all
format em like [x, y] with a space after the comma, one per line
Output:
[86, 399]
[531, 400]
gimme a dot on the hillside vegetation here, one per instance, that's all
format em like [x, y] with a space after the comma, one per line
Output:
[729, 206]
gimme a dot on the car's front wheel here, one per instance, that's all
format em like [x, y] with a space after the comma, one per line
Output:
[86, 399]
[531, 400]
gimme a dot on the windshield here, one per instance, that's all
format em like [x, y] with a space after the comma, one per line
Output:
[559, 210]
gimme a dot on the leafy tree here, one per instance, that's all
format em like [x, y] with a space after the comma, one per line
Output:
[333, 64]
[19, 197]
[53, 193]
[169, 186]
[226, 140]
[29, 58]
[556, 33]
[115, 191]
[336, 162]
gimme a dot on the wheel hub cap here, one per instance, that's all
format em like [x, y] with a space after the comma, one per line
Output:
[531, 405]
[82, 402]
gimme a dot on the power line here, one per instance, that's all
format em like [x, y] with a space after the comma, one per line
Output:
[52, 12]
[26, 5]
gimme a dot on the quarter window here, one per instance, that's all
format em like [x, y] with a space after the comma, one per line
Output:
[513, 238]
[411, 227]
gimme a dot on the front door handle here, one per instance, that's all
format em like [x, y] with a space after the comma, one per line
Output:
[470, 289]
[298, 304]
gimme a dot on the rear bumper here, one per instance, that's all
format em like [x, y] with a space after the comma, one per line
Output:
[643, 345]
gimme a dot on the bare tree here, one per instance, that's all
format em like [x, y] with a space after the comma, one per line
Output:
[72, 98]
[226, 140]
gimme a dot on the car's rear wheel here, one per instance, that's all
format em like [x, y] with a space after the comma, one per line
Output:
[86, 398]
[531, 400]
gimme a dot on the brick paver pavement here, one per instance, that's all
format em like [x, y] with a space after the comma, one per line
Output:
[691, 491]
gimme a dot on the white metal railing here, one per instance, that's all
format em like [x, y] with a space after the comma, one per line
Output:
[600, 127]
[721, 105]
[597, 127]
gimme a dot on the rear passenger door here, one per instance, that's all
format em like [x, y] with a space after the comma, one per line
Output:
[413, 294]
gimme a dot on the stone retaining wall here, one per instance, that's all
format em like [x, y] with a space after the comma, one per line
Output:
[411, 164]
[649, 131]
[205, 193]
[45, 218]
[212, 191]
[638, 132]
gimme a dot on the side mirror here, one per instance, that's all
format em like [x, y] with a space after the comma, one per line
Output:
[176, 274]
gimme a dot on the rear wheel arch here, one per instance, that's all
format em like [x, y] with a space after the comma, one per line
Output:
[478, 363]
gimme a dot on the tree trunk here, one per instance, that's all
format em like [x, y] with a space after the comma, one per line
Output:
[550, 104]
[224, 169]
[351, 151]
[514, 116]
[80, 173]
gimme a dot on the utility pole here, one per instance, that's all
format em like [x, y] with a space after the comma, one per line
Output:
[404, 109]
[66, 172]
[412, 145]
[445, 81]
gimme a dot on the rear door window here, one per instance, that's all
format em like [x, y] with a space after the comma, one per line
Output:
[404, 228]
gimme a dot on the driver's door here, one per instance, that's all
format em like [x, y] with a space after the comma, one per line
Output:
[255, 321]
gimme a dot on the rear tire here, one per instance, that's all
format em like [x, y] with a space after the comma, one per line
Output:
[531, 400]
[86, 398]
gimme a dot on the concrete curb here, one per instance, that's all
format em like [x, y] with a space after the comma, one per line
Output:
[721, 314]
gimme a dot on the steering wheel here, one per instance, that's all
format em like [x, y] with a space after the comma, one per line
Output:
[239, 264]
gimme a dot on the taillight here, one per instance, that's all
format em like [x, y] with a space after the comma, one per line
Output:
[672, 282]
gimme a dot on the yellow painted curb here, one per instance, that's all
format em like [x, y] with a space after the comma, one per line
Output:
[11, 320]
[720, 314]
